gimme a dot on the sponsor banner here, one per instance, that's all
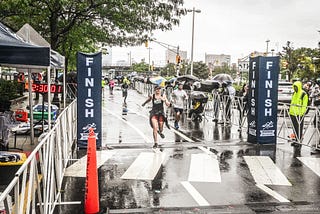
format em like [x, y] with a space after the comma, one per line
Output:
[263, 99]
[89, 97]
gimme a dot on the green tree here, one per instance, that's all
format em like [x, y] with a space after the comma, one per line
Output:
[168, 70]
[299, 63]
[141, 67]
[291, 58]
[200, 70]
[71, 26]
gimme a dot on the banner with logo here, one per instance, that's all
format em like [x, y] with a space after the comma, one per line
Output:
[263, 99]
[89, 73]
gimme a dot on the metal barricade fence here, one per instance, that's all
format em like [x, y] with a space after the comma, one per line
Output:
[222, 109]
[310, 123]
[36, 185]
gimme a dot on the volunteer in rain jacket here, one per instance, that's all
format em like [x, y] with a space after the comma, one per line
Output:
[298, 108]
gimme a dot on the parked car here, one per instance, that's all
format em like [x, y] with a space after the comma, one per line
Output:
[285, 92]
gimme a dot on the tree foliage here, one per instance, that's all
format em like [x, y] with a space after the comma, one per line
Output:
[141, 67]
[302, 63]
[200, 69]
[71, 26]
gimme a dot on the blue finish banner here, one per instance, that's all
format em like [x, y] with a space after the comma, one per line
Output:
[89, 114]
[263, 100]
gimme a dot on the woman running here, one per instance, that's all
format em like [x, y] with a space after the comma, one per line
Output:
[157, 115]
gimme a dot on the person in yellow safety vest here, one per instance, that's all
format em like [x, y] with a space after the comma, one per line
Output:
[124, 87]
[297, 110]
[103, 84]
[126, 81]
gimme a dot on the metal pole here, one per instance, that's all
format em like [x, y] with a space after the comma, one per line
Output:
[192, 40]
[178, 63]
[267, 46]
[149, 61]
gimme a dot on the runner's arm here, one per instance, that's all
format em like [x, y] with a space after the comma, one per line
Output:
[148, 100]
[166, 101]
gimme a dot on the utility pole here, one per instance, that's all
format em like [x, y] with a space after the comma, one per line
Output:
[268, 40]
[149, 67]
[178, 59]
[192, 40]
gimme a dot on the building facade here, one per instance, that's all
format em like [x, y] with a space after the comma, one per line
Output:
[217, 60]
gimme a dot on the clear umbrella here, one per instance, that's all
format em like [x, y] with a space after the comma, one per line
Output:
[223, 78]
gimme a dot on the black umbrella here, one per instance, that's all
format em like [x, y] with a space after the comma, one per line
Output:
[188, 78]
[197, 95]
[207, 85]
[223, 78]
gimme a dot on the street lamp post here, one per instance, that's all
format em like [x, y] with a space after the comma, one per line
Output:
[192, 41]
[268, 40]
[149, 69]
[272, 50]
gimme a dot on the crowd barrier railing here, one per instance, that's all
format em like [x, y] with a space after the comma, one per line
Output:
[37, 183]
[227, 110]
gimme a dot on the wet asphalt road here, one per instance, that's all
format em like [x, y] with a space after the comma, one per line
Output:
[202, 168]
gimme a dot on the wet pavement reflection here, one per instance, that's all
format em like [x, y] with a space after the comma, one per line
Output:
[204, 147]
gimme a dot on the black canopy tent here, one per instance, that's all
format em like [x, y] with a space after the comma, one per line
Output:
[14, 52]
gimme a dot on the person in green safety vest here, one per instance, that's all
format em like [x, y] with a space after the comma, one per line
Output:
[297, 111]
[103, 84]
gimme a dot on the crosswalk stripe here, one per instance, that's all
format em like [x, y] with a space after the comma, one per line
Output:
[145, 166]
[264, 171]
[312, 163]
[195, 194]
[272, 193]
[78, 169]
[204, 168]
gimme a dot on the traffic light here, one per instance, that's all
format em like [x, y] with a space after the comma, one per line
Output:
[146, 43]
[178, 59]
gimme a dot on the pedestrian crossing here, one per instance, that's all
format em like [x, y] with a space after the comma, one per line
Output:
[78, 169]
[145, 166]
[204, 167]
[312, 163]
[264, 171]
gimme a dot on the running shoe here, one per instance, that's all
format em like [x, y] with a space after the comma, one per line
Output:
[176, 125]
[161, 134]
[155, 146]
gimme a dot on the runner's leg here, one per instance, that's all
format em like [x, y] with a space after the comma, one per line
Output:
[154, 121]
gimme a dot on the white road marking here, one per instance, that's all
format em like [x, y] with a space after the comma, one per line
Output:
[195, 194]
[204, 168]
[272, 193]
[312, 163]
[145, 166]
[181, 135]
[79, 168]
[172, 128]
[207, 151]
[132, 126]
[264, 171]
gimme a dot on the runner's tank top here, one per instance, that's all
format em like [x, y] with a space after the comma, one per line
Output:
[157, 105]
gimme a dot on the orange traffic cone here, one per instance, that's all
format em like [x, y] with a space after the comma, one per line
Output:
[91, 203]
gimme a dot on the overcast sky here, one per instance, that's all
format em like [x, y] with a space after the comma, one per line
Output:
[237, 28]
